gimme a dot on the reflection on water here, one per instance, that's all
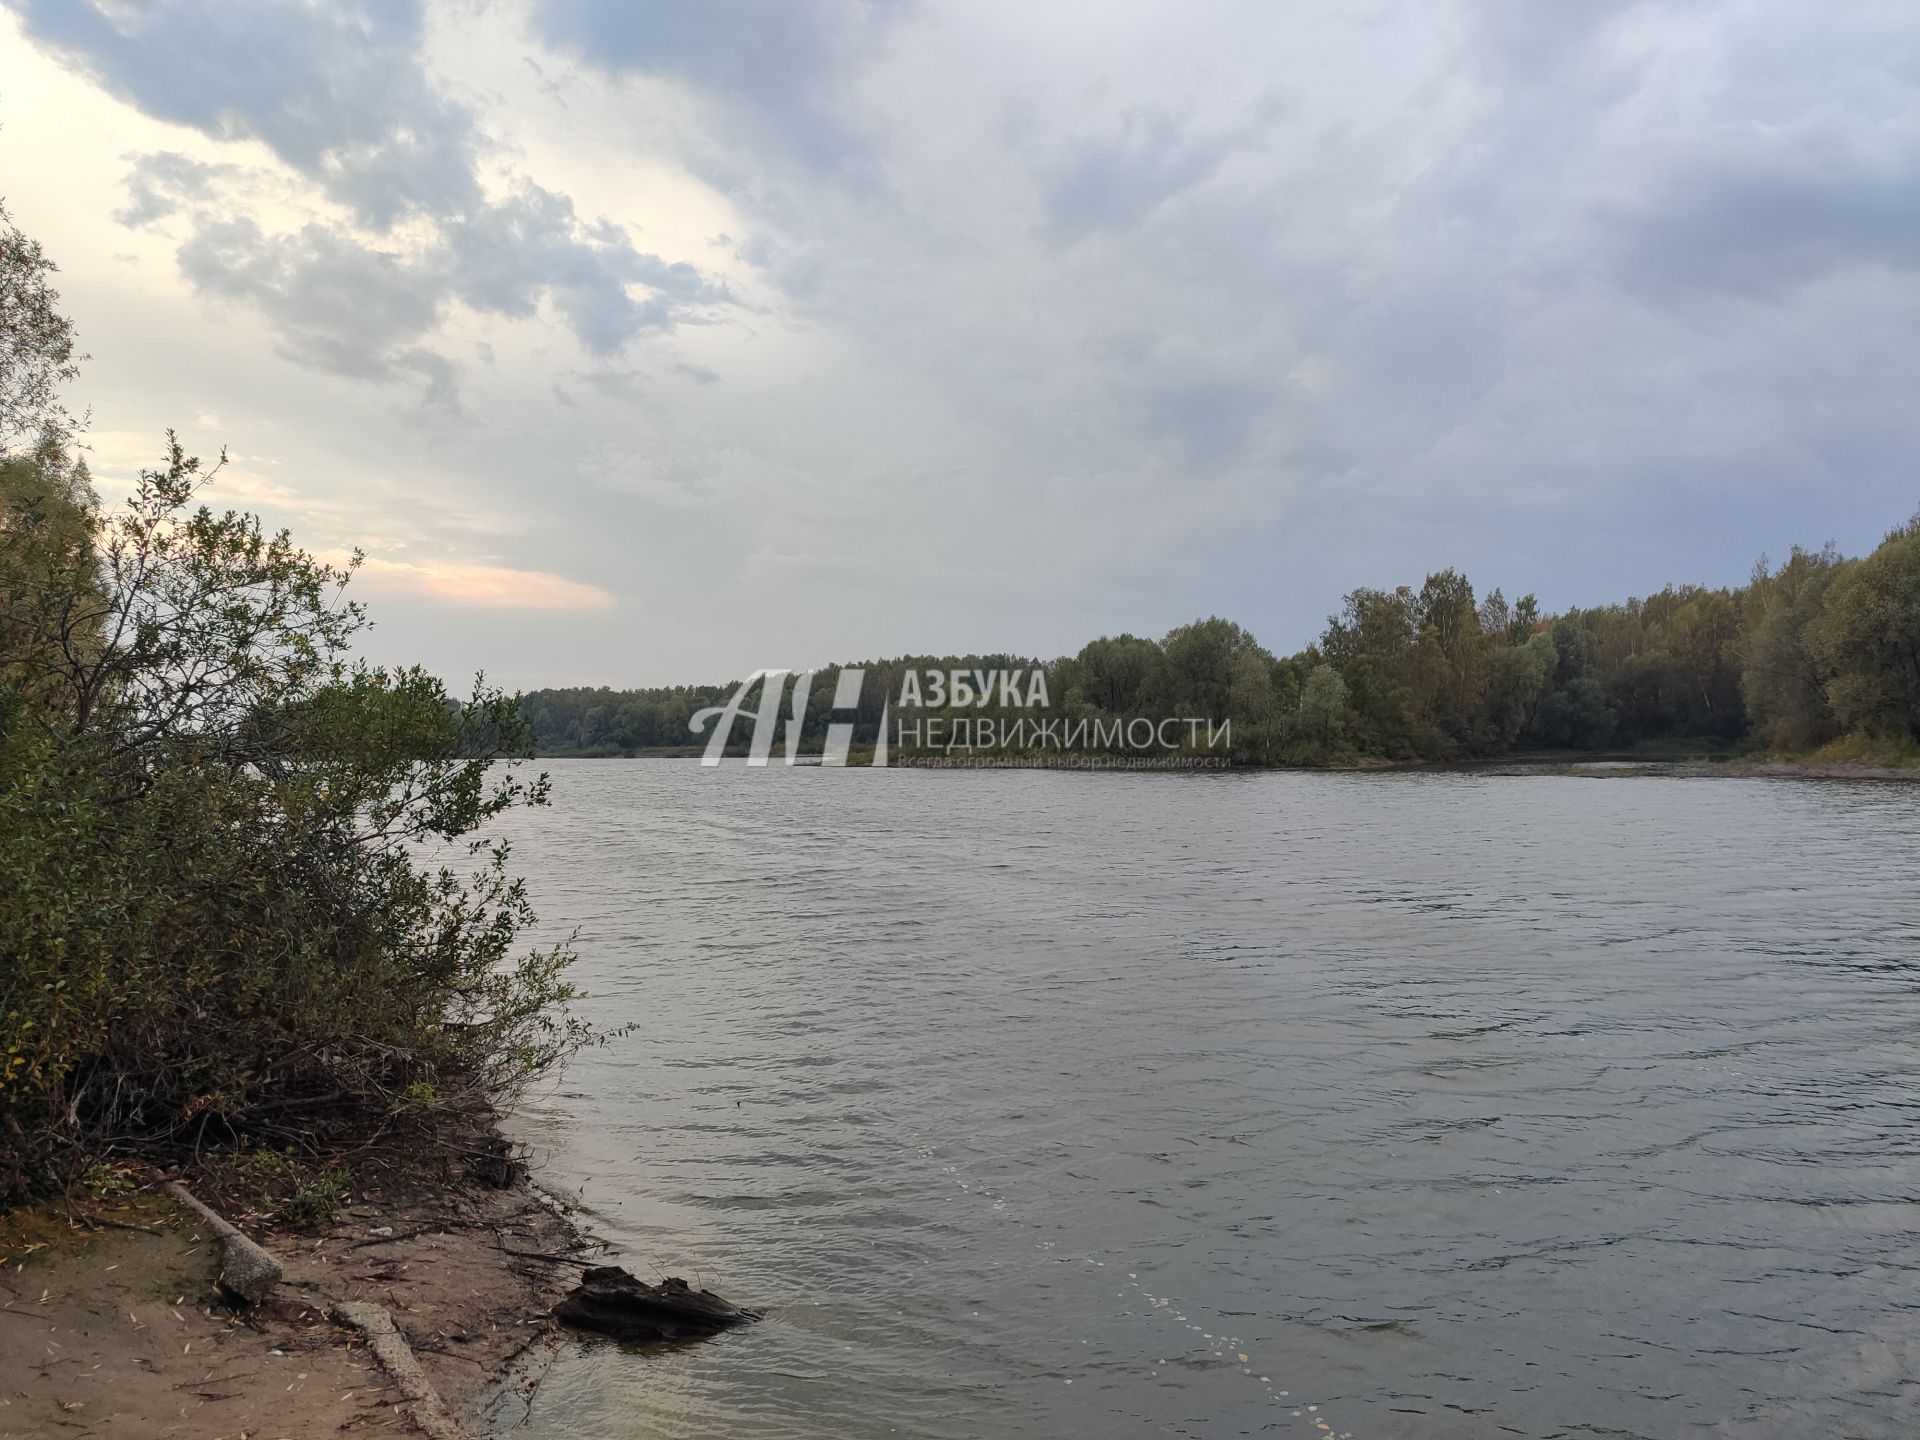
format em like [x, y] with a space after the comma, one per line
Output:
[1054, 1104]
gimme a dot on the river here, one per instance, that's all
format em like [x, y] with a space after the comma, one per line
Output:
[1053, 1104]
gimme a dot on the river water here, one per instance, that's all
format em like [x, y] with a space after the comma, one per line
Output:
[1050, 1104]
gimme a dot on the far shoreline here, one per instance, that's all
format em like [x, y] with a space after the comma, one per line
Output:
[1583, 764]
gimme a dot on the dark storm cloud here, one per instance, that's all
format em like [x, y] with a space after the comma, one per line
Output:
[340, 93]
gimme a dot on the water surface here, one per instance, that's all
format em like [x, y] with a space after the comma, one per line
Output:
[1050, 1104]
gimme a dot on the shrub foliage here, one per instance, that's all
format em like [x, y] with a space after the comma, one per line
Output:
[244, 890]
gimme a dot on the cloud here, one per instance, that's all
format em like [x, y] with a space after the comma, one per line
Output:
[493, 587]
[159, 183]
[335, 90]
[504, 258]
[341, 94]
[348, 306]
[1037, 320]
[440, 394]
[1764, 207]
[1115, 180]
[782, 68]
[334, 303]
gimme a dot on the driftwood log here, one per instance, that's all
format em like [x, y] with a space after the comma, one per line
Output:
[491, 1162]
[609, 1301]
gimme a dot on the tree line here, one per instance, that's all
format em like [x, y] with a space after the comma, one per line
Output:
[1819, 651]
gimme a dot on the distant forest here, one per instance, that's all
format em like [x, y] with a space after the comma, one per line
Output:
[1821, 651]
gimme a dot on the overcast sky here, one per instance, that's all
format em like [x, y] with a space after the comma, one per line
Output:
[639, 343]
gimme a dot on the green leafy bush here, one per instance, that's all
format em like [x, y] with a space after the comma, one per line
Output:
[217, 915]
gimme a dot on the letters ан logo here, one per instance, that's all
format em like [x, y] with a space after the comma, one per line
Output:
[766, 720]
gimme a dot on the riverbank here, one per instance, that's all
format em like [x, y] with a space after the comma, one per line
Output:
[1869, 764]
[111, 1322]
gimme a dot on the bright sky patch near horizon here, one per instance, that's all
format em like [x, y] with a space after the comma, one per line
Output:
[651, 344]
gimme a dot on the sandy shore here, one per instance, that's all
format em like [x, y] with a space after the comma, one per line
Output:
[111, 1324]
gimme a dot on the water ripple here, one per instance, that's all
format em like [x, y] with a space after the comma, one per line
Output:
[1061, 1105]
